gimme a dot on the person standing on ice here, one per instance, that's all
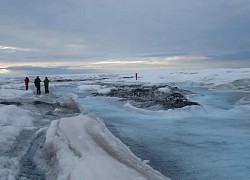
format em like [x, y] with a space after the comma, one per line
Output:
[37, 84]
[26, 82]
[46, 85]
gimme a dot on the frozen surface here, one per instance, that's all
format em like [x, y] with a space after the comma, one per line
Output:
[210, 141]
[207, 142]
[85, 149]
[13, 120]
[13, 93]
[89, 87]
[74, 147]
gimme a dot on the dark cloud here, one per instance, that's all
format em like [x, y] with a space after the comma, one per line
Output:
[244, 56]
[49, 71]
[84, 30]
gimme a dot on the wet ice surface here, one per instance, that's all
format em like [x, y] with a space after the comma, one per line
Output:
[208, 142]
[24, 120]
[28, 168]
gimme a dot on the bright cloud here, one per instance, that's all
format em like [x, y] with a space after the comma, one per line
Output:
[14, 49]
[145, 62]
[4, 71]
[163, 61]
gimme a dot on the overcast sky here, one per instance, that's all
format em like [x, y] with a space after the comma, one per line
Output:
[114, 33]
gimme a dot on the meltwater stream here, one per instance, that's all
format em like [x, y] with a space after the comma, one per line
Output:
[193, 143]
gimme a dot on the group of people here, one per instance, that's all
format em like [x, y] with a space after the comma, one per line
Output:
[37, 83]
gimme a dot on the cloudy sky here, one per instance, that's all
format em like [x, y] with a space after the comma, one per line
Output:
[125, 33]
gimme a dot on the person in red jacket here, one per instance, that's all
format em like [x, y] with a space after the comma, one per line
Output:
[26, 82]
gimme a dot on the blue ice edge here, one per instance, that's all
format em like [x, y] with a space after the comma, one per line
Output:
[84, 148]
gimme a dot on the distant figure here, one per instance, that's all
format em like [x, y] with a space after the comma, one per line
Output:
[37, 84]
[26, 82]
[46, 85]
[136, 76]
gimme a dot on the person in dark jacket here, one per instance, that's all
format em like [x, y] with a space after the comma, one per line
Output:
[46, 85]
[26, 82]
[38, 85]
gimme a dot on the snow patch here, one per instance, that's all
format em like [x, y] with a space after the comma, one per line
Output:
[8, 168]
[86, 87]
[165, 90]
[11, 124]
[13, 93]
[104, 91]
[69, 101]
[13, 120]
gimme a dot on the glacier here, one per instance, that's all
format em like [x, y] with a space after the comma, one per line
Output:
[72, 134]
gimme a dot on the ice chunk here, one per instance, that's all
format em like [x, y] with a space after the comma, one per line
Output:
[85, 149]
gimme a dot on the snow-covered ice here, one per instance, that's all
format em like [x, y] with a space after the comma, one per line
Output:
[82, 146]
[85, 149]
[12, 121]
[66, 141]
